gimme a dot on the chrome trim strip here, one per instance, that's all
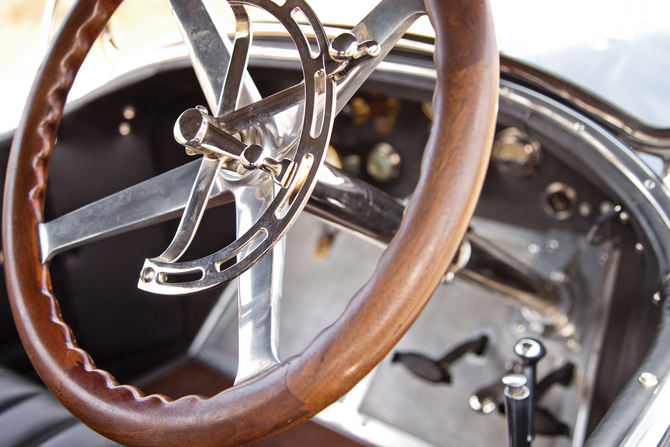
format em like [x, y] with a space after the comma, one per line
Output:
[654, 421]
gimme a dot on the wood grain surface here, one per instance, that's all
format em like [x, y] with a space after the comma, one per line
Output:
[378, 315]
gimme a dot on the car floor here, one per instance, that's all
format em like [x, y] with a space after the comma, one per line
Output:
[193, 377]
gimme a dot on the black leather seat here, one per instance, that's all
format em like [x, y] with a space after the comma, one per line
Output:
[31, 417]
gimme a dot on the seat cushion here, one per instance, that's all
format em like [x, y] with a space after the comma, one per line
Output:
[31, 417]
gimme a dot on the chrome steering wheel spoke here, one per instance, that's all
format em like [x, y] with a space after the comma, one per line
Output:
[195, 208]
[259, 288]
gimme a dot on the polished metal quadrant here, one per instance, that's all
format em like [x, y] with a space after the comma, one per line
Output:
[294, 174]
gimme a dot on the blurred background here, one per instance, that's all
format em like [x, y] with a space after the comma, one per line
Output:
[619, 49]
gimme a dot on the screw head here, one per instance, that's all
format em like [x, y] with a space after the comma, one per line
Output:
[552, 245]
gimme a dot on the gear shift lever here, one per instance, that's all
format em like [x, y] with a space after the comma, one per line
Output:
[530, 351]
[518, 403]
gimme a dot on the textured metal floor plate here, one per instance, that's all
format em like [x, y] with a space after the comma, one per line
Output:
[316, 291]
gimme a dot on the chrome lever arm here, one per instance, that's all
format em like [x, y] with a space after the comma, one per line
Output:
[212, 162]
[195, 208]
[270, 227]
[237, 67]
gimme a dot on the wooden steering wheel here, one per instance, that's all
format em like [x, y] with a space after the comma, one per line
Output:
[454, 165]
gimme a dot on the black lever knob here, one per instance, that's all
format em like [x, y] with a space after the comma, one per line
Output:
[438, 370]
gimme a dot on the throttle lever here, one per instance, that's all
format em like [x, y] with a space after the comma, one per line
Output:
[438, 370]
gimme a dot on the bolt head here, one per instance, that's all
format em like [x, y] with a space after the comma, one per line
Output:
[648, 379]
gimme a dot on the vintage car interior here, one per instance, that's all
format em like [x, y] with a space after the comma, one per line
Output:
[519, 222]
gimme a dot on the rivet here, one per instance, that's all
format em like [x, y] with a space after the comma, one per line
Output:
[649, 184]
[639, 247]
[558, 276]
[129, 112]
[585, 209]
[603, 257]
[536, 327]
[624, 217]
[573, 345]
[656, 298]
[648, 379]
[605, 206]
[534, 248]
[148, 275]
[124, 128]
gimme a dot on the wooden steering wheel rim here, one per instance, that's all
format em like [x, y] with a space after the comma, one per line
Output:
[436, 219]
